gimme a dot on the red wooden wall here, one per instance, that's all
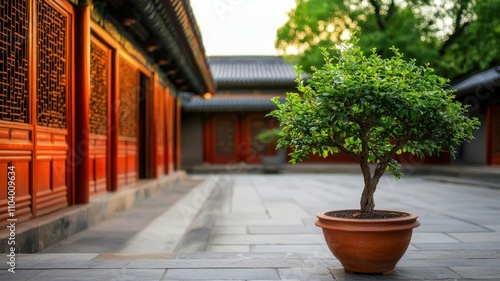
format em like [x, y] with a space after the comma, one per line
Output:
[39, 110]
[230, 138]
[493, 135]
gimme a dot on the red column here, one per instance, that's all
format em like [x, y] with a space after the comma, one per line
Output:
[82, 99]
[177, 135]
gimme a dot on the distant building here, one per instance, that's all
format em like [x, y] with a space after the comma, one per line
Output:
[482, 93]
[221, 128]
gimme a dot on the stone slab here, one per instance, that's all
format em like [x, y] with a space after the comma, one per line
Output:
[222, 274]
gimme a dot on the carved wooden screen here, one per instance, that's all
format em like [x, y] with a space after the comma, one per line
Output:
[52, 34]
[224, 137]
[15, 131]
[53, 70]
[100, 62]
[128, 85]
[14, 102]
[494, 139]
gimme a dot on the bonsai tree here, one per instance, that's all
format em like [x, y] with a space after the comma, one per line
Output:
[371, 109]
[268, 136]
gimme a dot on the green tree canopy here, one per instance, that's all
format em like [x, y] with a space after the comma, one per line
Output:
[454, 36]
[372, 109]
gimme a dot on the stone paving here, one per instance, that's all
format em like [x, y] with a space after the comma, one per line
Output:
[260, 227]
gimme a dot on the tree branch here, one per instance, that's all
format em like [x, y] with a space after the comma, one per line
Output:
[453, 37]
[378, 16]
[390, 12]
[458, 29]
[345, 150]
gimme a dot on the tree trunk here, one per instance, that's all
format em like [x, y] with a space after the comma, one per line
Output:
[371, 182]
[367, 201]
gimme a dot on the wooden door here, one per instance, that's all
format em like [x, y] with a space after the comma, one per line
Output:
[53, 51]
[493, 131]
[16, 129]
[100, 91]
[126, 162]
[222, 134]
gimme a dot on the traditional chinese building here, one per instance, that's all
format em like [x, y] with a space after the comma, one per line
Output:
[221, 129]
[88, 96]
[482, 93]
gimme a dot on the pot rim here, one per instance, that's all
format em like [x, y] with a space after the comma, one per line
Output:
[409, 216]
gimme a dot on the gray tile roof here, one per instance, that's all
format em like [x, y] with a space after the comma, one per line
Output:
[251, 71]
[486, 81]
[229, 105]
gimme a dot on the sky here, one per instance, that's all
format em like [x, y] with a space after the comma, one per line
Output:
[240, 27]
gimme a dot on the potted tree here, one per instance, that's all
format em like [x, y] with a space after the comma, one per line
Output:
[372, 109]
[271, 163]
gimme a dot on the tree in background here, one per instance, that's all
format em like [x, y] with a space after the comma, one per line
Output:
[455, 36]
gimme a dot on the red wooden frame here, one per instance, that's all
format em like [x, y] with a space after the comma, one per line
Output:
[492, 127]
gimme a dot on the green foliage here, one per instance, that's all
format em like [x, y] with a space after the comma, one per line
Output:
[371, 108]
[268, 136]
[454, 36]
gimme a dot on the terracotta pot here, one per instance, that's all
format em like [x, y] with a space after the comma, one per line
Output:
[368, 245]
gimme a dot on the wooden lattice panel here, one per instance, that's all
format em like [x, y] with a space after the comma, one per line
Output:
[129, 82]
[52, 56]
[99, 58]
[14, 61]
[225, 137]
[159, 114]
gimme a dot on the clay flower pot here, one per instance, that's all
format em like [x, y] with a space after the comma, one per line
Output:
[371, 246]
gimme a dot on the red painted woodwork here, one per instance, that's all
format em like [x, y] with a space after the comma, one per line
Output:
[126, 160]
[98, 169]
[250, 148]
[230, 138]
[21, 160]
[169, 132]
[100, 121]
[51, 174]
[177, 136]
[65, 142]
[52, 177]
[82, 163]
[223, 139]
[160, 120]
[493, 135]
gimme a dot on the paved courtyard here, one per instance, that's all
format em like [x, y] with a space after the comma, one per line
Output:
[261, 227]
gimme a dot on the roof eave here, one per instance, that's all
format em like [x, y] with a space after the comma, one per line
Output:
[182, 41]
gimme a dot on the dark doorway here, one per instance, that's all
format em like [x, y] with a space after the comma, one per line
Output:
[144, 96]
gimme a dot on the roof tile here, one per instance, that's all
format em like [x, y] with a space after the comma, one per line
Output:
[251, 71]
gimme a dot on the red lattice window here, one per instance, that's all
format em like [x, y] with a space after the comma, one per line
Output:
[52, 58]
[99, 58]
[129, 81]
[14, 61]
[225, 137]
